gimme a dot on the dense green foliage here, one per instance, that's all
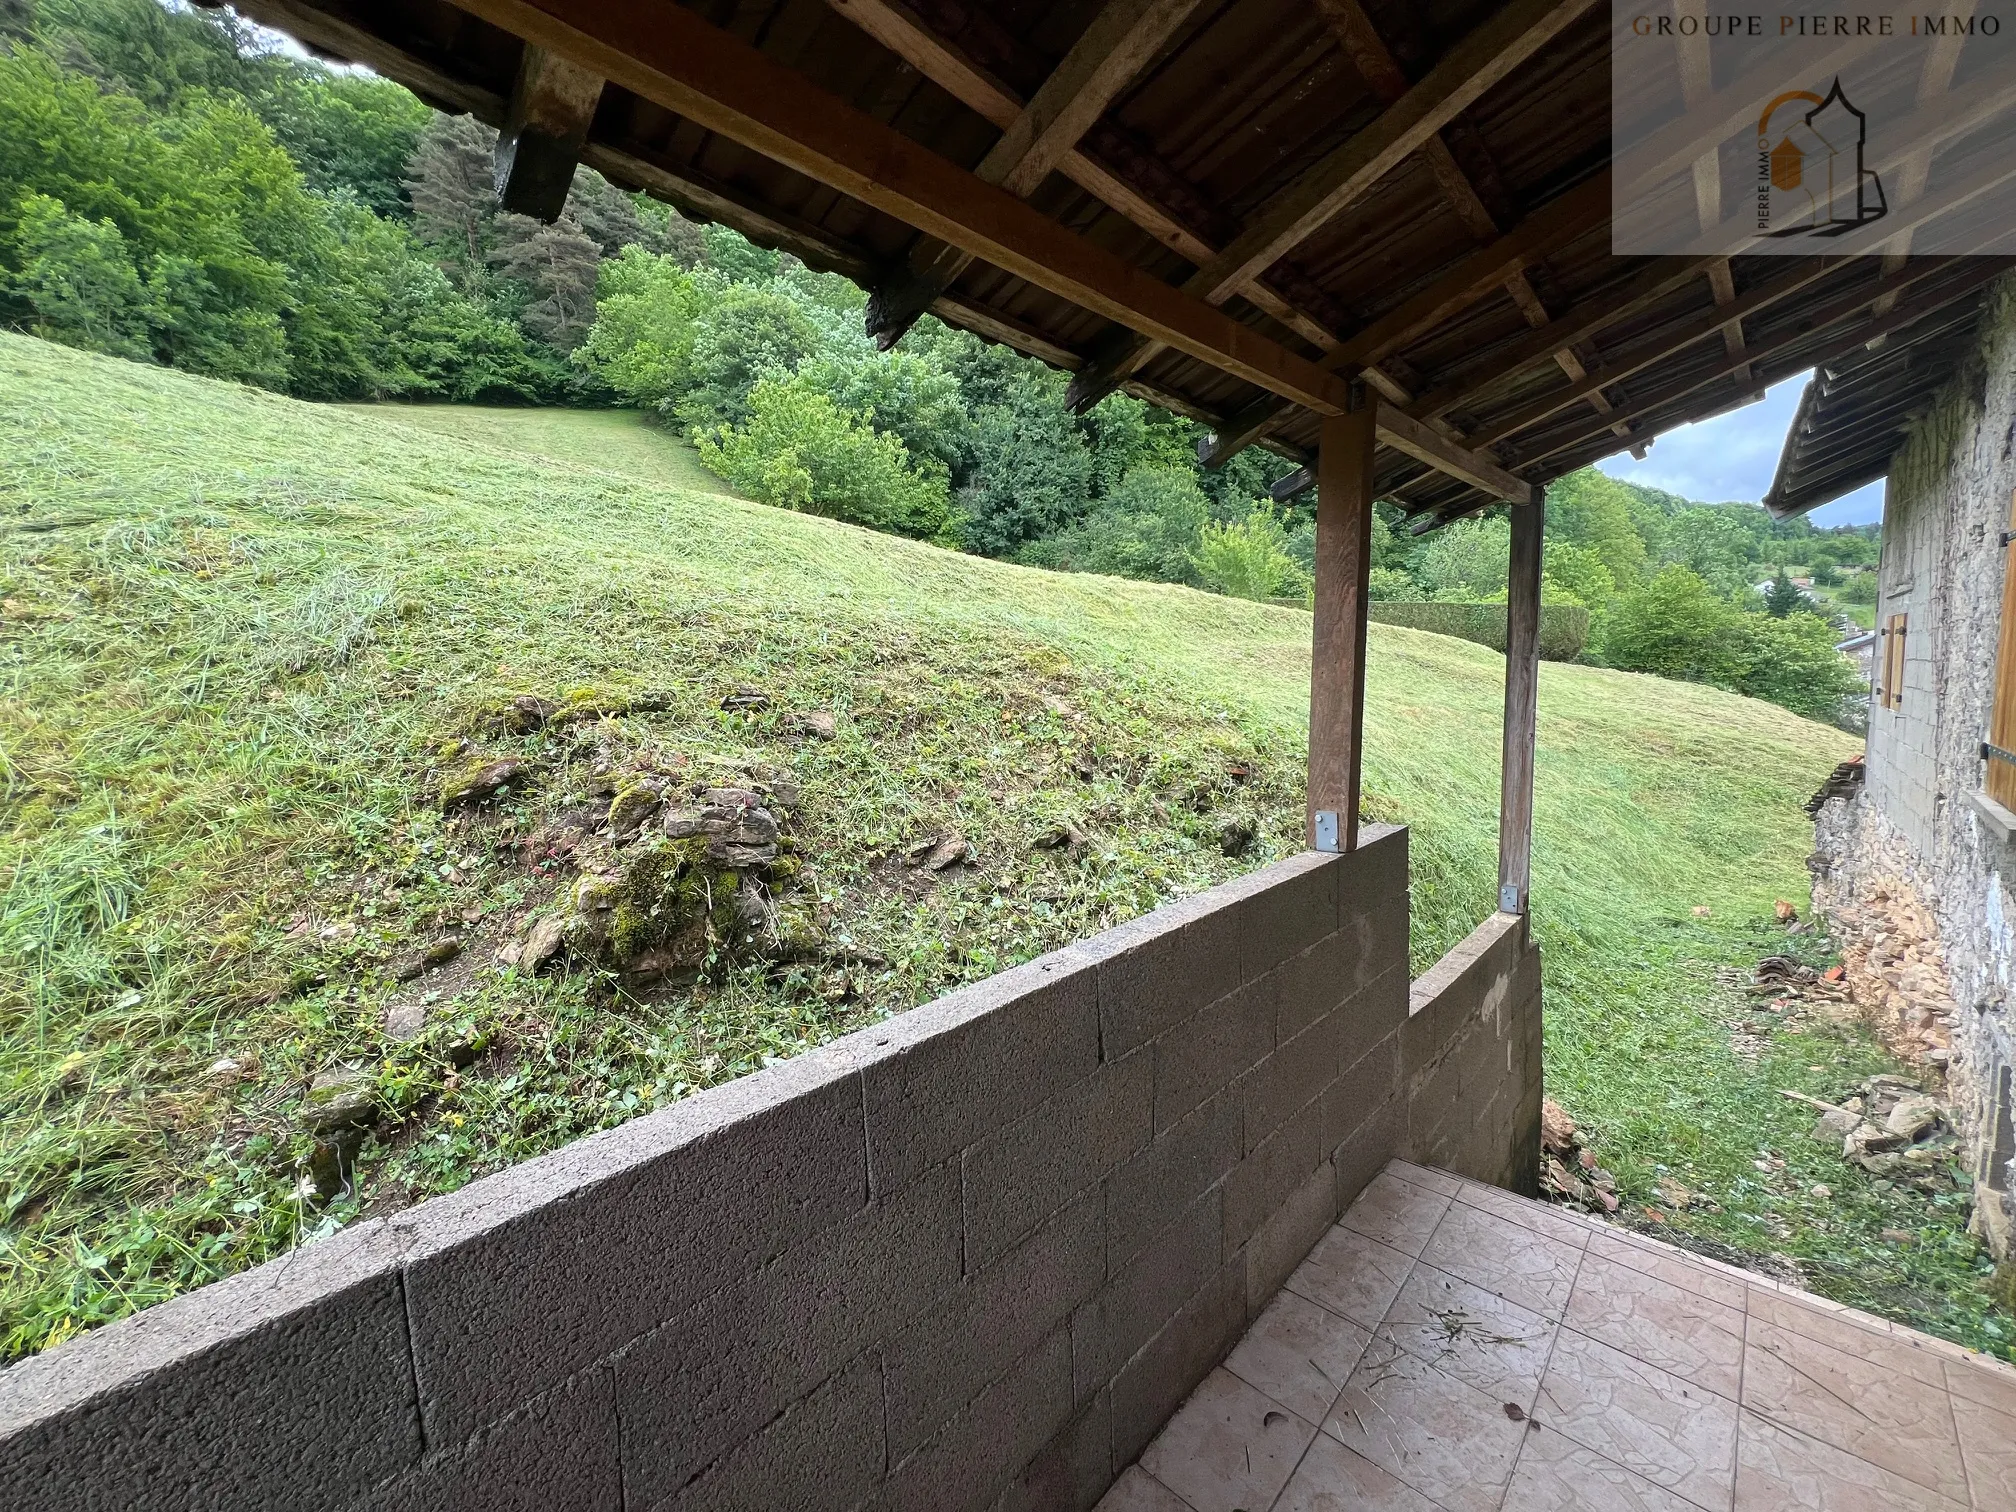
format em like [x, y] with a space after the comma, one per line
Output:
[1564, 628]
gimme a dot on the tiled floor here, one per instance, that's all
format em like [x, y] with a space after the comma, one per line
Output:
[1451, 1346]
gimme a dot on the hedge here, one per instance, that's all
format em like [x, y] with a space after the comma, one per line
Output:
[1564, 628]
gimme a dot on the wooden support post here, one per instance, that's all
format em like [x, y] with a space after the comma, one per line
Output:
[1522, 690]
[1337, 652]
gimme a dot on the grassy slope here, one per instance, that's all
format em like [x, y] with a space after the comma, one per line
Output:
[233, 662]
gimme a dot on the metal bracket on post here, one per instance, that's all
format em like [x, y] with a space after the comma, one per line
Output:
[1326, 831]
[1508, 898]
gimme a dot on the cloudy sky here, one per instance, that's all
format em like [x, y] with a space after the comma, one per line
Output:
[1733, 457]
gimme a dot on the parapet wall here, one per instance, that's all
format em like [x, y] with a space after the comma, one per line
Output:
[969, 1258]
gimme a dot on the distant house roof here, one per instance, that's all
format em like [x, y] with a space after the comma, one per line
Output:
[1853, 414]
[1856, 643]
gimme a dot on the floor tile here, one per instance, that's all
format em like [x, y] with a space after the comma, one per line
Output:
[1855, 1403]
[1227, 1449]
[1332, 1478]
[1138, 1491]
[1517, 1263]
[1565, 1228]
[1651, 1422]
[1474, 1335]
[1421, 1176]
[1694, 1337]
[1352, 1275]
[1988, 1454]
[1445, 1439]
[1682, 1270]
[1555, 1474]
[1395, 1213]
[1856, 1333]
[1781, 1471]
[1299, 1354]
[1983, 1381]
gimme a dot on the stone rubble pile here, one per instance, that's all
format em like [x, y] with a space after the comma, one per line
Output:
[1890, 1127]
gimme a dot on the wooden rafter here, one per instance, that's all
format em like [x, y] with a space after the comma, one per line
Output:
[545, 126]
[1973, 273]
[1697, 85]
[1473, 276]
[1345, 174]
[1942, 56]
[1122, 40]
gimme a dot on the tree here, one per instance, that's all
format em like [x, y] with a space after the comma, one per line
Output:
[646, 312]
[1571, 574]
[1588, 508]
[1792, 662]
[1466, 562]
[78, 277]
[1149, 527]
[745, 333]
[557, 264]
[798, 450]
[449, 183]
[1783, 596]
[1676, 627]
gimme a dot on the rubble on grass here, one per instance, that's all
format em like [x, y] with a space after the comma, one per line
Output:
[1891, 1128]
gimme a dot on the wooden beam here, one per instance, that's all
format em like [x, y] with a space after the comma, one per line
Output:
[1473, 276]
[1337, 643]
[1644, 288]
[1666, 343]
[1934, 79]
[1522, 702]
[1403, 432]
[673, 57]
[1974, 272]
[546, 125]
[1481, 59]
[1122, 40]
[1697, 85]
[1344, 175]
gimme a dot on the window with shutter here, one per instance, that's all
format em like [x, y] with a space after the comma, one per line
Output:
[2001, 780]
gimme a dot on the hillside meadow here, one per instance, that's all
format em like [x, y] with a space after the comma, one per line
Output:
[249, 643]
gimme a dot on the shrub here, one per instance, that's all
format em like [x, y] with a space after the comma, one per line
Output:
[745, 334]
[1564, 628]
[1465, 562]
[799, 450]
[1249, 558]
[1391, 585]
[1146, 528]
[1859, 588]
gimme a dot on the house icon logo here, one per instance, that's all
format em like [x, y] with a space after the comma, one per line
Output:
[1810, 178]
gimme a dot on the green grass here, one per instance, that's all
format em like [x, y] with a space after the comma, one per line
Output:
[242, 635]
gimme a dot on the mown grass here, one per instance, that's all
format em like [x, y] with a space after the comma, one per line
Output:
[240, 629]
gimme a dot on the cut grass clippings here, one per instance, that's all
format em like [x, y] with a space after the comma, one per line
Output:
[243, 633]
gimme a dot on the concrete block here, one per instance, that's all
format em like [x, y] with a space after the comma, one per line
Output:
[1153, 1384]
[822, 1451]
[1363, 1153]
[1142, 1296]
[947, 1074]
[1073, 1470]
[1271, 1173]
[942, 1358]
[1145, 1195]
[1200, 1057]
[965, 1466]
[289, 1385]
[1164, 967]
[702, 1383]
[1366, 1085]
[1290, 1232]
[1296, 909]
[1313, 983]
[525, 1278]
[1375, 874]
[559, 1451]
[1298, 1072]
[1022, 1174]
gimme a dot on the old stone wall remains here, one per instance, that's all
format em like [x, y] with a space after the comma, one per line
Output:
[1912, 876]
[970, 1258]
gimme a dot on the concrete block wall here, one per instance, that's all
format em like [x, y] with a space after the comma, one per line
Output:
[969, 1258]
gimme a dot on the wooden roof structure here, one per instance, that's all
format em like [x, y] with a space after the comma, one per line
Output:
[1256, 212]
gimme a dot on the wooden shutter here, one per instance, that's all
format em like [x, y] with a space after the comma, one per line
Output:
[2001, 781]
[1890, 683]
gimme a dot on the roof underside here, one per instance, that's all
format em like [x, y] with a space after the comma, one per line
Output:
[1853, 414]
[1469, 283]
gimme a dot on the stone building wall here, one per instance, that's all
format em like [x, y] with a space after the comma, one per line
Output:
[1917, 882]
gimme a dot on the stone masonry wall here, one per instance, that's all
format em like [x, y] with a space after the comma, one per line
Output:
[1913, 844]
[969, 1258]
